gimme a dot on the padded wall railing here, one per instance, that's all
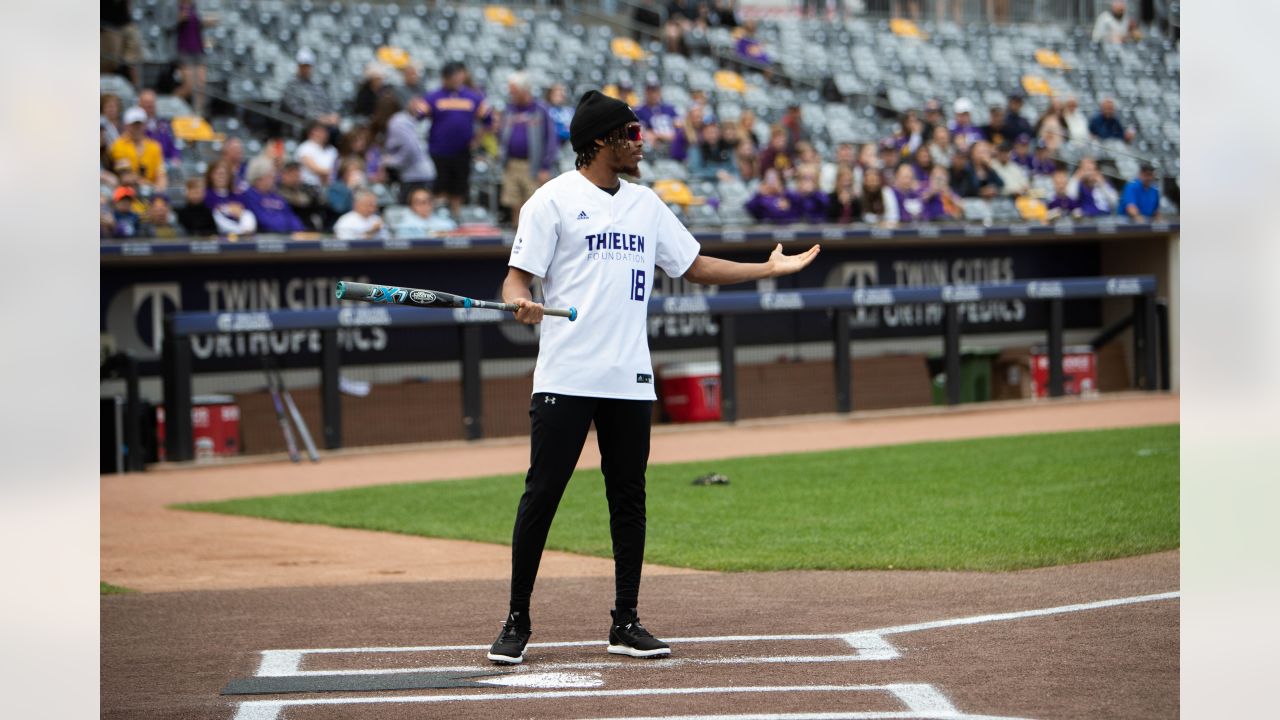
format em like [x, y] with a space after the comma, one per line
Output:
[728, 309]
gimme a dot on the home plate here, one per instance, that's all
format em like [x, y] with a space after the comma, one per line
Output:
[546, 680]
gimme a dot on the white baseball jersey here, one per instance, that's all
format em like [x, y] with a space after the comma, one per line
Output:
[596, 252]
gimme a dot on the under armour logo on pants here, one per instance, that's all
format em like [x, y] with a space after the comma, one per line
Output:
[549, 400]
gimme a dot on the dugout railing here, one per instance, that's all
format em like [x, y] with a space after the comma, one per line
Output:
[725, 307]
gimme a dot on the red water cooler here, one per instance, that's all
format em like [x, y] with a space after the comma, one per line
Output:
[691, 391]
[215, 425]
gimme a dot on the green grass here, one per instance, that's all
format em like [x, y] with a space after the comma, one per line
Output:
[109, 589]
[991, 504]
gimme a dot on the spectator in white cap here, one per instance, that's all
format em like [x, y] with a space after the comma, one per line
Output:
[143, 154]
[306, 98]
[963, 122]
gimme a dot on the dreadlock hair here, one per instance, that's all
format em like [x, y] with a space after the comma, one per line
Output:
[616, 137]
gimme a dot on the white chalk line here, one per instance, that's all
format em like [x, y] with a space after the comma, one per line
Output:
[929, 700]
[869, 645]
[665, 664]
[892, 715]
[574, 643]
[546, 680]
[921, 700]
[1000, 617]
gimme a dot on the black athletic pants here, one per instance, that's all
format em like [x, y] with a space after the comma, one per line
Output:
[560, 425]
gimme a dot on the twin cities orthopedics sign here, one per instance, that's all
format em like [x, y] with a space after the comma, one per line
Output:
[957, 270]
[136, 299]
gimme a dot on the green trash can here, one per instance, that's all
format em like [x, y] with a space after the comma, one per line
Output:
[975, 376]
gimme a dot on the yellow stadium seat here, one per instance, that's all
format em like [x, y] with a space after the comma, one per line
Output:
[1051, 60]
[1032, 209]
[1036, 85]
[500, 15]
[729, 80]
[905, 28]
[675, 191]
[627, 49]
[613, 91]
[191, 128]
[393, 56]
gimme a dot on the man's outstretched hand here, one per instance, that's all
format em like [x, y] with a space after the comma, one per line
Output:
[782, 264]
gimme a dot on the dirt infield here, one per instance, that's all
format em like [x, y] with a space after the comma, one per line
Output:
[223, 596]
[167, 655]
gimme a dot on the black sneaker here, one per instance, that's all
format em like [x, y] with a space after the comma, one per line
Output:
[508, 649]
[628, 637]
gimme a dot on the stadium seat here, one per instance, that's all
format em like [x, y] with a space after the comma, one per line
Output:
[990, 96]
[393, 57]
[383, 193]
[1035, 85]
[1032, 209]
[1072, 152]
[1127, 166]
[732, 193]
[192, 128]
[1004, 209]
[905, 28]
[168, 106]
[734, 215]
[475, 215]
[977, 209]
[704, 214]
[671, 169]
[118, 86]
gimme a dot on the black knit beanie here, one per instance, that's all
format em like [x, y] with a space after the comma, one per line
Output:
[596, 115]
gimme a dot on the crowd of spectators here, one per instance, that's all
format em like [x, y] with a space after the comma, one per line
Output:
[924, 172]
[414, 145]
[321, 183]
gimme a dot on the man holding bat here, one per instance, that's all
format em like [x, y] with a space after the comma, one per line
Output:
[594, 239]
